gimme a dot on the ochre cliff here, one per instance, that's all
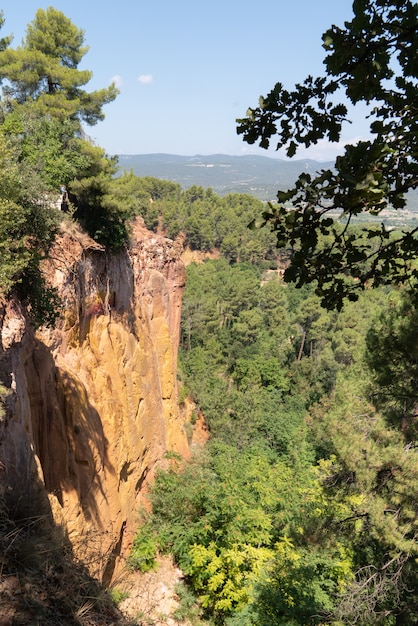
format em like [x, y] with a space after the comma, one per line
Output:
[92, 404]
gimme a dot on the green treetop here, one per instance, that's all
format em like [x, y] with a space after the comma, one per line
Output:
[372, 60]
[4, 41]
[43, 71]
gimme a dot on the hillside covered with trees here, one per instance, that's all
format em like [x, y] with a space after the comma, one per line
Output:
[298, 335]
[303, 507]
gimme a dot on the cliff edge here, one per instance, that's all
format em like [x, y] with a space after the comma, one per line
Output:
[92, 403]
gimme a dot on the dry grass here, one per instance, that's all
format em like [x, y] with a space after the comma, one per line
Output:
[42, 584]
[73, 230]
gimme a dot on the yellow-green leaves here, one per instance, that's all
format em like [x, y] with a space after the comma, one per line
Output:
[225, 577]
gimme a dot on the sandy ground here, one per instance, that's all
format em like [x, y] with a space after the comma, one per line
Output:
[152, 598]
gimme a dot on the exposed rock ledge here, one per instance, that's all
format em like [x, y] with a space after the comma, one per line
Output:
[93, 402]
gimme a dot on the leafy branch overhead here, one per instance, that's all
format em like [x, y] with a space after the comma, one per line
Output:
[373, 60]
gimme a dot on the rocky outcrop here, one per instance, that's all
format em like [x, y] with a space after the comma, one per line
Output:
[92, 403]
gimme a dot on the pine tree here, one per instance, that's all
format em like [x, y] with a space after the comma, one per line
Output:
[43, 72]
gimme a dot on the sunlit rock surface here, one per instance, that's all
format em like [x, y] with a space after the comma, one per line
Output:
[92, 405]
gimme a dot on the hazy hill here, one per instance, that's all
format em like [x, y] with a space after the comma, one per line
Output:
[257, 175]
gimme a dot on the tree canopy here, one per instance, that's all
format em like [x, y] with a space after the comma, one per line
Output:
[302, 507]
[372, 60]
[44, 72]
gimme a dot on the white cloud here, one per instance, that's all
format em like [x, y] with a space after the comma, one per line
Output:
[145, 79]
[117, 80]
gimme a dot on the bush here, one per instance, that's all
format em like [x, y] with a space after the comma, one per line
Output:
[144, 550]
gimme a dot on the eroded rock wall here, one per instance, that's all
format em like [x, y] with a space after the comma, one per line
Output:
[92, 404]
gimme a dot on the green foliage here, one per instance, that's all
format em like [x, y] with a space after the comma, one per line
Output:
[27, 229]
[3, 395]
[216, 296]
[302, 585]
[43, 74]
[42, 109]
[51, 148]
[225, 577]
[224, 516]
[372, 473]
[270, 343]
[13, 220]
[117, 595]
[209, 222]
[144, 549]
[302, 508]
[260, 372]
[14, 254]
[4, 41]
[392, 355]
[236, 520]
[147, 197]
[371, 60]
[188, 609]
[218, 531]
[97, 207]
[133, 195]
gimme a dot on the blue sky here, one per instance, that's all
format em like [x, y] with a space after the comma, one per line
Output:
[186, 69]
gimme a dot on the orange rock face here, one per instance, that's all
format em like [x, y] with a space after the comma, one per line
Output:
[92, 405]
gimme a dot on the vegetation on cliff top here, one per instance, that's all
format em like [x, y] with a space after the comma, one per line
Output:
[43, 146]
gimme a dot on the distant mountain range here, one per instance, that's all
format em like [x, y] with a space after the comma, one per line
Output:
[259, 176]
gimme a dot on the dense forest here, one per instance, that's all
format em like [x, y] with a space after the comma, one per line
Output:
[298, 333]
[302, 509]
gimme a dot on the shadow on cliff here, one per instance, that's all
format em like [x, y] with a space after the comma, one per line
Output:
[41, 582]
[58, 437]
[61, 441]
[67, 434]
